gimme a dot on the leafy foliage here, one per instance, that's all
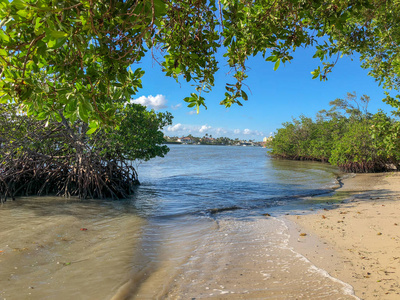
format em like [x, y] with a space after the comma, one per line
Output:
[40, 157]
[346, 135]
[79, 56]
[137, 138]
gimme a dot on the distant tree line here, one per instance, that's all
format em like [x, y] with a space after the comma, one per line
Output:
[209, 140]
[347, 135]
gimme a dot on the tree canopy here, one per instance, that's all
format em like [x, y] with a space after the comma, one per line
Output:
[80, 57]
[347, 135]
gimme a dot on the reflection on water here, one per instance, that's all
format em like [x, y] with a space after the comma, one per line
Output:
[164, 242]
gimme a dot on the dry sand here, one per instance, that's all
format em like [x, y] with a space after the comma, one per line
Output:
[358, 240]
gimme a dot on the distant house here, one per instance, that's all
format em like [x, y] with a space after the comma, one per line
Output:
[185, 140]
[207, 140]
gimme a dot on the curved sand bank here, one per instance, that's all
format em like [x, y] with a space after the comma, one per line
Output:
[357, 241]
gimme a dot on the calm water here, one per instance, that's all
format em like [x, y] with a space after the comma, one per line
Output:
[194, 229]
[195, 179]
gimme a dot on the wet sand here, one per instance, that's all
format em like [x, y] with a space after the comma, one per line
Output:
[49, 251]
[358, 240]
[251, 259]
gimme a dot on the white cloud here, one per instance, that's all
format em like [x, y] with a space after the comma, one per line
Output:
[247, 131]
[176, 106]
[192, 112]
[204, 128]
[236, 131]
[220, 130]
[252, 132]
[175, 127]
[157, 102]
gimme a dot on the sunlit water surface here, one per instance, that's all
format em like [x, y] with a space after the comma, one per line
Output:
[194, 229]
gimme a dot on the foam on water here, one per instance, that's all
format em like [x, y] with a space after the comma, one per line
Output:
[346, 288]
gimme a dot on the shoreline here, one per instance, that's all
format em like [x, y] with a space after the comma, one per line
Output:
[358, 240]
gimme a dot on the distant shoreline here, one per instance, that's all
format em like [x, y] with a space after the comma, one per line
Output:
[179, 143]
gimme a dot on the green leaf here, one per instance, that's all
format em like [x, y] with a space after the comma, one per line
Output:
[52, 43]
[94, 124]
[244, 96]
[160, 8]
[19, 4]
[22, 13]
[83, 113]
[58, 34]
[91, 131]
[315, 74]
[3, 52]
[38, 23]
[4, 37]
[42, 116]
[88, 106]
[60, 42]
[58, 118]
[276, 66]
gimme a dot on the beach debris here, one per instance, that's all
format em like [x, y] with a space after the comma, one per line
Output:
[298, 217]
[395, 224]
[323, 217]
[303, 234]
[20, 249]
[222, 209]
[379, 233]
[266, 215]
[83, 229]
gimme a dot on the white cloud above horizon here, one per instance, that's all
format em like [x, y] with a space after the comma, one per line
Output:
[204, 128]
[247, 131]
[158, 102]
[176, 127]
[174, 107]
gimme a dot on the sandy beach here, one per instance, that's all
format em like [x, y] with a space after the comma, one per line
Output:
[358, 239]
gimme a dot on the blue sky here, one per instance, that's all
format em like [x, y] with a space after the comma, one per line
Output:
[274, 96]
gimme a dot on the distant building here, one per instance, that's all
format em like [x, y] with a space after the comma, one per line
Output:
[185, 140]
